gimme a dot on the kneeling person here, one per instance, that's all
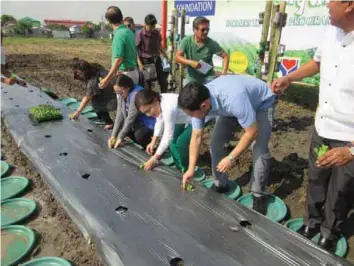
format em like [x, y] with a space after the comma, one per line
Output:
[129, 122]
[232, 98]
[102, 101]
[172, 126]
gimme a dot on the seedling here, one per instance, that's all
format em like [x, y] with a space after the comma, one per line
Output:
[321, 150]
[113, 141]
[190, 187]
[142, 165]
[45, 112]
[71, 116]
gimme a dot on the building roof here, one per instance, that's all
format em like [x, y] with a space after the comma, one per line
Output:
[65, 22]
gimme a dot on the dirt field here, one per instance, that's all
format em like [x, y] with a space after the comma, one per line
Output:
[45, 63]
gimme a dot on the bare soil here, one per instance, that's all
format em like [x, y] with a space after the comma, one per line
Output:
[48, 65]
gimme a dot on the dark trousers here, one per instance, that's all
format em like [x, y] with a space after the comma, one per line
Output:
[141, 135]
[105, 117]
[161, 76]
[330, 192]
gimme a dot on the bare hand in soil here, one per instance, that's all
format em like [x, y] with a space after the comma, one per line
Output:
[280, 85]
[118, 143]
[186, 176]
[335, 157]
[150, 164]
[224, 165]
[111, 142]
[74, 116]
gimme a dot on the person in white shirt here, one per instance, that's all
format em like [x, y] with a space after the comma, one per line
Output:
[171, 128]
[330, 193]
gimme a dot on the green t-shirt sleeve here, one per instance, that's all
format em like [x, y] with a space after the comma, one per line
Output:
[183, 45]
[118, 46]
[216, 48]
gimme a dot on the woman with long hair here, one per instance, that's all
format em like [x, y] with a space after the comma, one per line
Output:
[172, 129]
[102, 100]
[129, 122]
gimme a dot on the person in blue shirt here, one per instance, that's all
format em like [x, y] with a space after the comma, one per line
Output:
[129, 122]
[232, 99]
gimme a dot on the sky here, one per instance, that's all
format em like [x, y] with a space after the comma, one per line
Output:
[80, 10]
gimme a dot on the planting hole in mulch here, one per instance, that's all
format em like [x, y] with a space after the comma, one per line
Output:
[89, 130]
[176, 262]
[47, 136]
[11, 99]
[63, 154]
[121, 209]
[245, 223]
[85, 176]
[17, 105]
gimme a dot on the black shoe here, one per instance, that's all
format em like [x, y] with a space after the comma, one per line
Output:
[328, 244]
[308, 232]
[220, 190]
[260, 204]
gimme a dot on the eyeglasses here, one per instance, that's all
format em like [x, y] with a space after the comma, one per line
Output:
[204, 29]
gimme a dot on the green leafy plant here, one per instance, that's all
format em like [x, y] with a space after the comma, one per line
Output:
[142, 166]
[321, 150]
[190, 187]
[45, 112]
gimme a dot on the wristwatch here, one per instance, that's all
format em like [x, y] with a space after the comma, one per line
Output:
[351, 148]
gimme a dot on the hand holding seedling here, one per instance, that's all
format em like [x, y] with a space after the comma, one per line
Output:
[111, 142]
[186, 176]
[334, 157]
[117, 143]
[150, 164]
[74, 115]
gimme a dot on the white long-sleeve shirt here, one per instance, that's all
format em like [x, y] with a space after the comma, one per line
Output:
[335, 113]
[166, 121]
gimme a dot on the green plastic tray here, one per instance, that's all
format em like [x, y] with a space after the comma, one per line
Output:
[67, 101]
[87, 109]
[5, 167]
[12, 186]
[342, 245]
[16, 242]
[199, 174]
[47, 261]
[90, 115]
[74, 105]
[276, 208]
[235, 188]
[16, 210]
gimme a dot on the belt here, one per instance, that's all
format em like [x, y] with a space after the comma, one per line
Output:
[129, 69]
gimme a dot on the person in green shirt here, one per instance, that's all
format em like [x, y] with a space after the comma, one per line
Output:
[123, 48]
[198, 47]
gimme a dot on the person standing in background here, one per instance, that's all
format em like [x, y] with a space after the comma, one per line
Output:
[330, 191]
[150, 51]
[198, 47]
[123, 48]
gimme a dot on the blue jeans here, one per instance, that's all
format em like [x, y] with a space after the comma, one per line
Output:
[223, 132]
